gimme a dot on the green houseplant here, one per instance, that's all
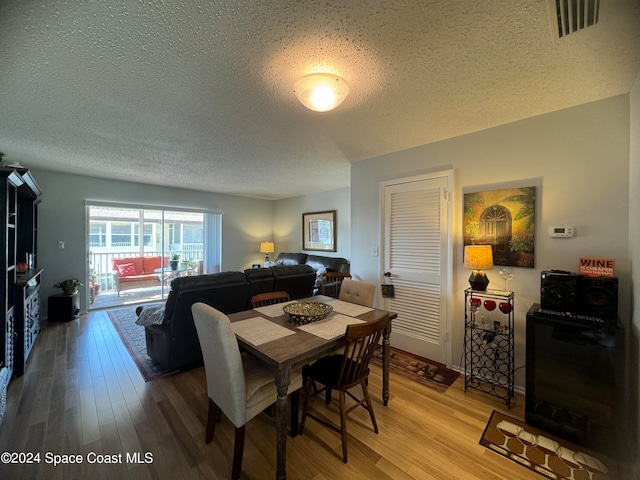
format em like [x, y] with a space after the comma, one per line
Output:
[69, 286]
[175, 259]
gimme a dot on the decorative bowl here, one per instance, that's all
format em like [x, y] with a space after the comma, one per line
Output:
[307, 312]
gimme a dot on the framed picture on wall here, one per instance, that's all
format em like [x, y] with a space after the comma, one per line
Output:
[319, 231]
[504, 219]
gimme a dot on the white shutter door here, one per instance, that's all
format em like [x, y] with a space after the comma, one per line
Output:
[415, 247]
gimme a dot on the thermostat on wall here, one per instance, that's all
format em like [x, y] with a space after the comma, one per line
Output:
[561, 232]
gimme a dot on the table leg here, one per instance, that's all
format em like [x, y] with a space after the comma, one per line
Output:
[282, 384]
[385, 363]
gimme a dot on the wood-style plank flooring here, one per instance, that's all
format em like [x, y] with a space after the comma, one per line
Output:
[82, 395]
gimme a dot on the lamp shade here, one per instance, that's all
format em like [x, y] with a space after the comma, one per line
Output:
[478, 258]
[321, 91]
[266, 247]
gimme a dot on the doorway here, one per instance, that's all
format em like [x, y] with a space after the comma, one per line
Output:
[149, 246]
[417, 261]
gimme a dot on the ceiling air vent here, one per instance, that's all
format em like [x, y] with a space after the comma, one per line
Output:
[574, 15]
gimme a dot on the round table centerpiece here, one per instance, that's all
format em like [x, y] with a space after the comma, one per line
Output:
[307, 312]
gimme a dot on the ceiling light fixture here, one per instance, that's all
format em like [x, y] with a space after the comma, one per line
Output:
[321, 91]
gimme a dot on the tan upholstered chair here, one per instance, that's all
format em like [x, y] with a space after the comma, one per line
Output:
[238, 385]
[342, 372]
[355, 291]
[269, 298]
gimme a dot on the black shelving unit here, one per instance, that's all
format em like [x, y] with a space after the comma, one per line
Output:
[488, 342]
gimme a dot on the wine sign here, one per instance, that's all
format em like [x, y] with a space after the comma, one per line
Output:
[597, 267]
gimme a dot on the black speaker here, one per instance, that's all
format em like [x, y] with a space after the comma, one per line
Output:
[598, 297]
[558, 291]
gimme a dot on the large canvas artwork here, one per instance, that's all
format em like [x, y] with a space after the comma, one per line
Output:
[504, 219]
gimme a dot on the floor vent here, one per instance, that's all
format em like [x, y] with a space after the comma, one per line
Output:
[574, 15]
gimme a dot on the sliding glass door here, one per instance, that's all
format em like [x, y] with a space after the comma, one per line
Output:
[134, 252]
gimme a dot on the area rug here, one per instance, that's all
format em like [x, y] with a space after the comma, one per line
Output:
[426, 372]
[543, 453]
[133, 338]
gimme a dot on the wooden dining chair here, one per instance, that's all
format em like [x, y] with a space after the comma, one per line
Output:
[238, 385]
[355, 291]
[330, 283]
[269, 298]
[342, 372]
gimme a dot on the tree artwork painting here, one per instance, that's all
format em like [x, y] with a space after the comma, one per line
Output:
[504, 219]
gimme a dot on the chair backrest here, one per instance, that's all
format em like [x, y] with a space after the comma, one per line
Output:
[222, 361]
[269, 298]
[355, 291]
[361, 341]
[330, 283]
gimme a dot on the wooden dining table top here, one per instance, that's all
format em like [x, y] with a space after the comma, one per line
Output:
[296, 350]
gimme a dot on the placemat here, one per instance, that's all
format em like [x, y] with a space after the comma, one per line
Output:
[258, 330]
[274, 310]
[348, 308]
[330, 328]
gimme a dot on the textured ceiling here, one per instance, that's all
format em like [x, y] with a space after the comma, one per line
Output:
[199, 94]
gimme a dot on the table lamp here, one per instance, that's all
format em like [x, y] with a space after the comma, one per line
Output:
[267, 248]
[478, 258]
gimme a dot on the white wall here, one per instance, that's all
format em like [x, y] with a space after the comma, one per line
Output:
[634, 247]
[61, 216]
[577, 158]
[288, 212]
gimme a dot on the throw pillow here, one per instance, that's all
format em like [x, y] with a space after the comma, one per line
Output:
[127, 269]
[319, 273]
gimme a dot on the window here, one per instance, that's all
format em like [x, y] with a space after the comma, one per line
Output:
[121, 234]
[98, 234]
[148, 235]
[193, 234]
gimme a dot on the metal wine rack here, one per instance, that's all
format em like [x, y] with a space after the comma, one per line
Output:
[488, 342]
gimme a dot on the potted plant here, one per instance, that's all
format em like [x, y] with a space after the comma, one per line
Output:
[69, 286]
[94, 286]
[175, 259]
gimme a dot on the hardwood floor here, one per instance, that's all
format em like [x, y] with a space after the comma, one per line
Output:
[82, 395]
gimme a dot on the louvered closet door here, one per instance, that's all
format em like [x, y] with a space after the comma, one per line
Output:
[416, 253]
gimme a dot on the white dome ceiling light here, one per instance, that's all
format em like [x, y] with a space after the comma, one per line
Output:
[321, 92]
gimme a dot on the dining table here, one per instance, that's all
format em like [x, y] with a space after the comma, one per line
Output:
[285, 344]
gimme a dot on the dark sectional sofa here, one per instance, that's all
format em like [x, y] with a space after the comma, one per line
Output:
[172, 340]
[319, 263]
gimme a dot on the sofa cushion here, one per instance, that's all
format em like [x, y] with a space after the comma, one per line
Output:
[258, 273]
[332, 264]
[261, 280]
[297, 280]
[126, 269]
[291, 258]
[150, 264]
[198, 282]
[139, 278]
